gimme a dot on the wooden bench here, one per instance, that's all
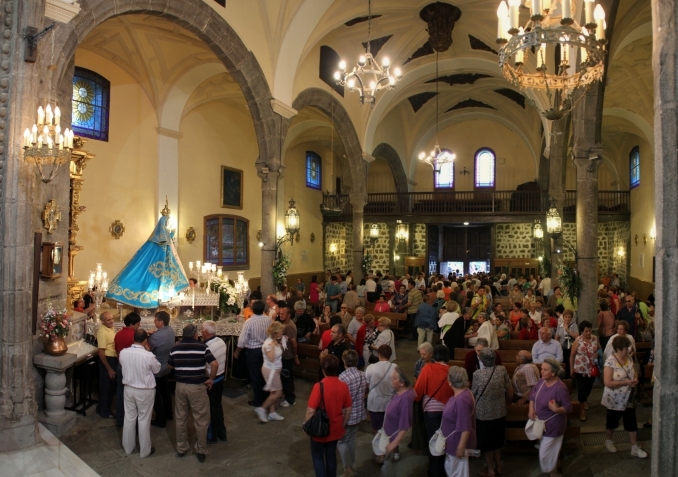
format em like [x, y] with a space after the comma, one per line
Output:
[517, 344]
[309, 361]
[506, 355]
[398, 320]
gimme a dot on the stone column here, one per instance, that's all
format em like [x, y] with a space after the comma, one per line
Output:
[665, 408]
[55, 417]
[557, 157]
[269, 200]
[588, 155]
[358, 205]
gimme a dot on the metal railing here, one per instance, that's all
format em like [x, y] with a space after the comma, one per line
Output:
[471, 203]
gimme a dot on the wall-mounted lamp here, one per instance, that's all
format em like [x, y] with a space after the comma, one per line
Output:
[653, 233]
[402, 231]
[621, 252]
[396, 257]
[333, 248]
[374, 234]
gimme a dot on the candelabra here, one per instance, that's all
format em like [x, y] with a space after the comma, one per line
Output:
[97, 285]
[241, 289]
[174, 300]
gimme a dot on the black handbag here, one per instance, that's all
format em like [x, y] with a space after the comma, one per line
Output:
[319, 424]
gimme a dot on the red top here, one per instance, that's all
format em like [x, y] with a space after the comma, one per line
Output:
[382, 307]
[528, 334]
[313, 295]
[432, 382]
[553, 323]
[614, 299]
[360, 339]
[123, 339]
[336, 398]
[80, 309]
[515, 316]
[326, 338]
[472, 363]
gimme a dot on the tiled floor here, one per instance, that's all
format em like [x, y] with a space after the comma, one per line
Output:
[50, 458]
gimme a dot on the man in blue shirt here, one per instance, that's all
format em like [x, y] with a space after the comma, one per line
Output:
[426, 321]
[333, 294]
[546, 347]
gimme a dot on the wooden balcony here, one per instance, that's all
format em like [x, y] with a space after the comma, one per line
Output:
[472, 206]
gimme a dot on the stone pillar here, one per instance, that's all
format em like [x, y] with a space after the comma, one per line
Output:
[358, 205]
[269, 199]
[588, 155]
[55, 417]
[557, 157]
[665, 408]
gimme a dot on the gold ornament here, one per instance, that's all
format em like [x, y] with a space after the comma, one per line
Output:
[51, 216]
[117, 229]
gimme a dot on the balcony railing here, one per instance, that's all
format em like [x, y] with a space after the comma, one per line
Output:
[471, 203]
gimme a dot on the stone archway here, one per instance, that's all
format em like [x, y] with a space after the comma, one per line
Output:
[328, 104]
[201, 20]
[390, 155]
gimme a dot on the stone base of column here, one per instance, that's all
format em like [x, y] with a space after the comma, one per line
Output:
[18, 435]
[58, 425]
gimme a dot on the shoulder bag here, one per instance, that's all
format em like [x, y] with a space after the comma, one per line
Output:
[488, 382]
[534, 429]
[419, 436]
[595, 371]
[319, 424]
[436, 445]
[631, 402]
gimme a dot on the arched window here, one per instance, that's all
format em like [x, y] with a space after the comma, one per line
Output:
[90, 103]
[313, 171]
[443, 175]
[634, 167]
[485, 169]
[227, 241]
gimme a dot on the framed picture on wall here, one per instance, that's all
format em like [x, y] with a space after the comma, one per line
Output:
[231, 188]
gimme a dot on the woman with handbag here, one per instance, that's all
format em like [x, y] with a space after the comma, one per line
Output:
[397, 419]
[458, 424]
[583, 365]
[619, 395]
[492, 389]
[327, 412]
[386, 336]
[380, 390]
[434, 393]
[549, 405]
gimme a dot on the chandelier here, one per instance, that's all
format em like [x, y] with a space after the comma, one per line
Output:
[546, 29]
[368, 77]
[97, 285]
[46, 145]
[437, 157]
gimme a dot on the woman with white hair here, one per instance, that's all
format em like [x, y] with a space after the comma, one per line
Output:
[459, 424]
[386, 336]
[550, 401]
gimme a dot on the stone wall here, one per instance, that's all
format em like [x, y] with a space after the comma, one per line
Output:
[515, 241]
[419, 240]
[381, 251]
[342, 235]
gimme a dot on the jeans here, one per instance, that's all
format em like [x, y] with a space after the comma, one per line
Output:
[324, 455]
[436, 464]
[346, 446]
[217, 411]
[255, 360]
[163, 400]
[106, 387]
[288, 383]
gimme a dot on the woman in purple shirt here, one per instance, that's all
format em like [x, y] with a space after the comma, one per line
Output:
[397, 419]
[550, 402]
[459, 424]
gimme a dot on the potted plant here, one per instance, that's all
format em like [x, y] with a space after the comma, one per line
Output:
[54, 326]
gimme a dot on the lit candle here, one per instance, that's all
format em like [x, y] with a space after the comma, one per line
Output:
[35, 134]
[546, 4]
[45, 131]
[197, 263]
[57, 131]
[584, 52]
[514, 13]
[502, 14]
[27, 136]
[536, 7]
[70, 139]
[520, 55]
[39, 141]
[190, 266]
[41, 116]
[57, 115]
[599, 16]
[48, 114]
[567, 9]
[61, 142]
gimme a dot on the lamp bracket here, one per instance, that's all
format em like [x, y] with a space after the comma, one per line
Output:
[32, 37]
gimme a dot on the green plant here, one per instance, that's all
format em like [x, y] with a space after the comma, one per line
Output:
[367, 263]
[545, 267]
[570, 281]
[280, 267]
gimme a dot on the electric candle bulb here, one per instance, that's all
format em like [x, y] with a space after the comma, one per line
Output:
[398, 73]
[342, 65]
[41, 116]
[57, 115]
[337, 75]
[536, 7]
[599, 16]
[514, 13]
[27, 140]
[39, 141]
[589, 5]
[567, 8]
[385, 62]
[361, 60]
[502, 15]
[48, 114]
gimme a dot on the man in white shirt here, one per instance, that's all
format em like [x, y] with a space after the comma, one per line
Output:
[545, 286]
[371, 288]
[487, 331]
[218, 349]
[535, 314]
[138, 368]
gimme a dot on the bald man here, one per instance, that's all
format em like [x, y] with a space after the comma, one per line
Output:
[525, 376]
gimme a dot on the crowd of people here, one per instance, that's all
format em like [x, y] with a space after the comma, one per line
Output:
[460, 406]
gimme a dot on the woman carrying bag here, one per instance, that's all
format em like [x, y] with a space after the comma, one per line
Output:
[378, 379]
[583, 365]
[619, 395]
[397, 419]
[333, 396]
[458, 424]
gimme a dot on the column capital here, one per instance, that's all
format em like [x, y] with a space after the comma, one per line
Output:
[368, 158]
[268, 173]
[284, 110]
[358, 201]
[169, 133]
[588, 159]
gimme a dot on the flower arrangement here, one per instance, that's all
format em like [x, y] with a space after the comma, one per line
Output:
[54, 324]
[545, 267]
[280, 267]
[228, 298]
[570, 281]
[367, 263]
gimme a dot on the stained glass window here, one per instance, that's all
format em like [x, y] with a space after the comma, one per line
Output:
[226, 241]
[485, 169]
[91, 99]
[313, 171]
[634, 167]
[443, 175]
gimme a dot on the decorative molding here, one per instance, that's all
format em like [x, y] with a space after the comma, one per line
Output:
[61, 10]
[190, 235]
[368, 157]
[169, 133]
[283, 109]
[117, 229]
[51, 216]
[312, 237]
[411, 182]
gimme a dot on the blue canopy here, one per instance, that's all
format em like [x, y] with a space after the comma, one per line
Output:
[154, 271]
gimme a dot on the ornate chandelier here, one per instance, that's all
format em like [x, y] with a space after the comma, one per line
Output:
[437, 157]
[368, 77]
[46, 145]
[548, 28]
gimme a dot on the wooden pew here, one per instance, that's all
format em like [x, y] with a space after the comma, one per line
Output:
[398, 320]
[309, 361]
[517, 344]
[508, 355]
